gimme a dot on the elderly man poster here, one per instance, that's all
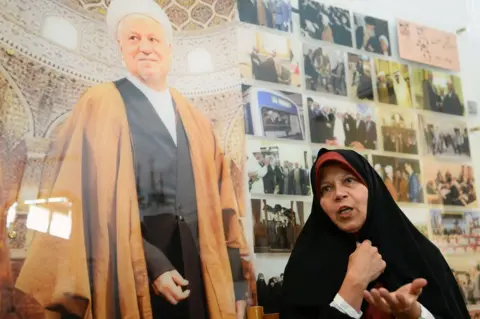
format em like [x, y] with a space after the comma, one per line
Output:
[155, 223]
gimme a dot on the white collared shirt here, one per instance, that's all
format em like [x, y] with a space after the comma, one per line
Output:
[341, 305]
[162, 103]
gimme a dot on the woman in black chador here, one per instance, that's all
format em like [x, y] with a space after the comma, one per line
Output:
[359, 256]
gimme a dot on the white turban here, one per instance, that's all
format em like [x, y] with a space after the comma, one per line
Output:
[120, 9]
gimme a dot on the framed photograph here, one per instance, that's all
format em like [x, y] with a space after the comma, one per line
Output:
[278, 168]
[268, 57]
[273, 14]
[342, 124]
[450, 183]
[444, 137]
[277, 224]
[402, 177]
[466, 269]
[399, 131]
[324, 22]
[325, 70]
[371, 34]
[455, 232]
[438, 92]
[393, 83]
[272, 113]
[270, 268]
[359, 78]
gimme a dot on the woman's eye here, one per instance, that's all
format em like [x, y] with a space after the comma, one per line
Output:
[349, 180]
[325, 189]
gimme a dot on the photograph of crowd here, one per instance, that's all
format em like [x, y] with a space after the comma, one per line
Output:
[401, 176]
[438, 92]
[449, 183]
[324, 69]
[455, 232]
[441, 137]
[339, 123]
[272, 113]
[359, 78]
[324, 22]
[278, 168]
[466, 269]
[269, 292]
[268, 57]
[393, 83]
[277, 224]
[371, 34]
[399, 132]
[274, 14]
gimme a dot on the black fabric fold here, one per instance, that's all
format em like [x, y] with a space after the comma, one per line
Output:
[319, 260]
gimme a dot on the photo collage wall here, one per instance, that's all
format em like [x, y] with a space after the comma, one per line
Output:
[315, 76]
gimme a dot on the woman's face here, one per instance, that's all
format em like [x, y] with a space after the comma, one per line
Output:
[343, 197]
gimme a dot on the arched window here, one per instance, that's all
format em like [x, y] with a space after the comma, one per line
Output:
[60, 31]
[199, 61]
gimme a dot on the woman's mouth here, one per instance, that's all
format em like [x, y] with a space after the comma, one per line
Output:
[345, 211]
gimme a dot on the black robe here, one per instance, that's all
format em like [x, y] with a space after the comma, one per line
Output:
[318, 263]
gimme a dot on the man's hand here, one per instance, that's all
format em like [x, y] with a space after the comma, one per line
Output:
[169, 285]
[401, 303]
[241, 308]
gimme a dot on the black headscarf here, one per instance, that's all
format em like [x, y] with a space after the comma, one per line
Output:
[319, 260]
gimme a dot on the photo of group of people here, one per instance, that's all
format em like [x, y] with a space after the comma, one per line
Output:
[399, 132]
[277, 224]
[342, 124]
[278, 168]
[449, 183]
[372, 34]
[393, 83]
[442, 137]
[325, 70]
[401, 176]
[268, 57]
[324, 22]
[455, 232]
[359, 79]
[273, 113]
[438, 92]
[269, 292]
[273, 14]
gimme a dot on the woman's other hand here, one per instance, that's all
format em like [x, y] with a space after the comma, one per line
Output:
[401, 303]
[365, 263]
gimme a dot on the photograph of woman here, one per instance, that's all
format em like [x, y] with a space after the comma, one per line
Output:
[359, 256]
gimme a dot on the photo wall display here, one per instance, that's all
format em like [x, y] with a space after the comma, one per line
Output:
[438, 92]
[324, 69]
[393, 83]
[449, 183]
[342, 124]
[273, 113]
[273, 14]
[278, 168]
[402, 177]
[444, 137]
[277, 223]
[326, 77]
[398, 131]
[372, 34]
[268, 57]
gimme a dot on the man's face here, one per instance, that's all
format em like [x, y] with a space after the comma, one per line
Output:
[145, 47]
